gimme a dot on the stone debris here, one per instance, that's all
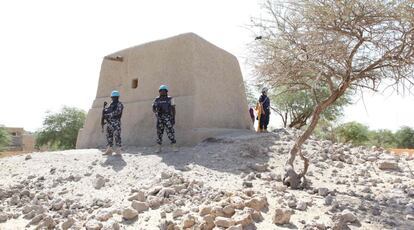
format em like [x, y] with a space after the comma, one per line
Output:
[340, 175]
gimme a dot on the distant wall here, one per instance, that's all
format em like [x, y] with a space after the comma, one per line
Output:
[21, 140]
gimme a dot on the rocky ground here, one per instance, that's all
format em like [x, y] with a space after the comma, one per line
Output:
[230, 182]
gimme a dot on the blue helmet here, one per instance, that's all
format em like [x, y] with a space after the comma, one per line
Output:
[163, 87]
[115, 93]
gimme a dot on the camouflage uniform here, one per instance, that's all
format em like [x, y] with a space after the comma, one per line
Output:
[112, 116]
[165, 118]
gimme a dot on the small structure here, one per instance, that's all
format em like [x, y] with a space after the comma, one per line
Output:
[21, 140]
[205, 81]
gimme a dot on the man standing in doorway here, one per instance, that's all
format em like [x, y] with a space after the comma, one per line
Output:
[164, 109]
[112, 115]
[265, 111]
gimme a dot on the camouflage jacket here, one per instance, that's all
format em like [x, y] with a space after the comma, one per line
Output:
[114, 112]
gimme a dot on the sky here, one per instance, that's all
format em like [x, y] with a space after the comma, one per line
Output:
[51, 51]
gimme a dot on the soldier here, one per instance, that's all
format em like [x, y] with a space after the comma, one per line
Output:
[112, 116]
[164, 109]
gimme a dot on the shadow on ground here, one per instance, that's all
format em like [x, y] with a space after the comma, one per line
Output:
[229, 153]
[117, 163]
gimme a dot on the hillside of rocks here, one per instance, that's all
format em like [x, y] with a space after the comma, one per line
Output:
[228, 182]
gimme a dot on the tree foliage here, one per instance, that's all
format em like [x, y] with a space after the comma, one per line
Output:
[295, 107]
[338, 45]
[405, 137]
[60, 130]
[5, 138]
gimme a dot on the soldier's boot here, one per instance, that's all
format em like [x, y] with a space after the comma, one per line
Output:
[174, 147]
[108, 151]
[118, 151]
[158, 149]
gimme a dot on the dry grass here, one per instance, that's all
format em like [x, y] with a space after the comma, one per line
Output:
[402, 151]
[11, 153]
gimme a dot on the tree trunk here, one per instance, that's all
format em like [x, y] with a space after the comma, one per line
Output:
[291, 178]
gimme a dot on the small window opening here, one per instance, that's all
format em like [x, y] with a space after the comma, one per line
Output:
[14, 134]
[134, 83]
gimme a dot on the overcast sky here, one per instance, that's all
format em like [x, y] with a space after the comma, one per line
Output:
[51, 51]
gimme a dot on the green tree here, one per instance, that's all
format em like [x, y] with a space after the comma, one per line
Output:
[353, 132]
[383, 138]
[405, 137]
[295, 107]
[60, 130]
[342, 45]
[5, 138]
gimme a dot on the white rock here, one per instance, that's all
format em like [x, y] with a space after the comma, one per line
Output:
[129, 213]
[348, 216]
[243, 218]
[140, 206]
[166, 175]
[204, 210]
[257, 203]
[328, 199]
[236, 227]
[103, 215]
[409, 217]
[36, 219]
[409, 208]
[228, 210]
[49, 222]
[282, 216]
[111, 225]
[259, 167]
[188, 221]
[339, 165]
[68, 223]
[3, 217]
[301, 206]
[139, 196]
[323, 191]
[58, 205]
[388, 165]
[177, 213]
[93, 225]
[224, 222]
[98, 182]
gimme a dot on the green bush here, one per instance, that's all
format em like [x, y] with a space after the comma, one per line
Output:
[405, 137]
[353, 132]
[382, 138]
